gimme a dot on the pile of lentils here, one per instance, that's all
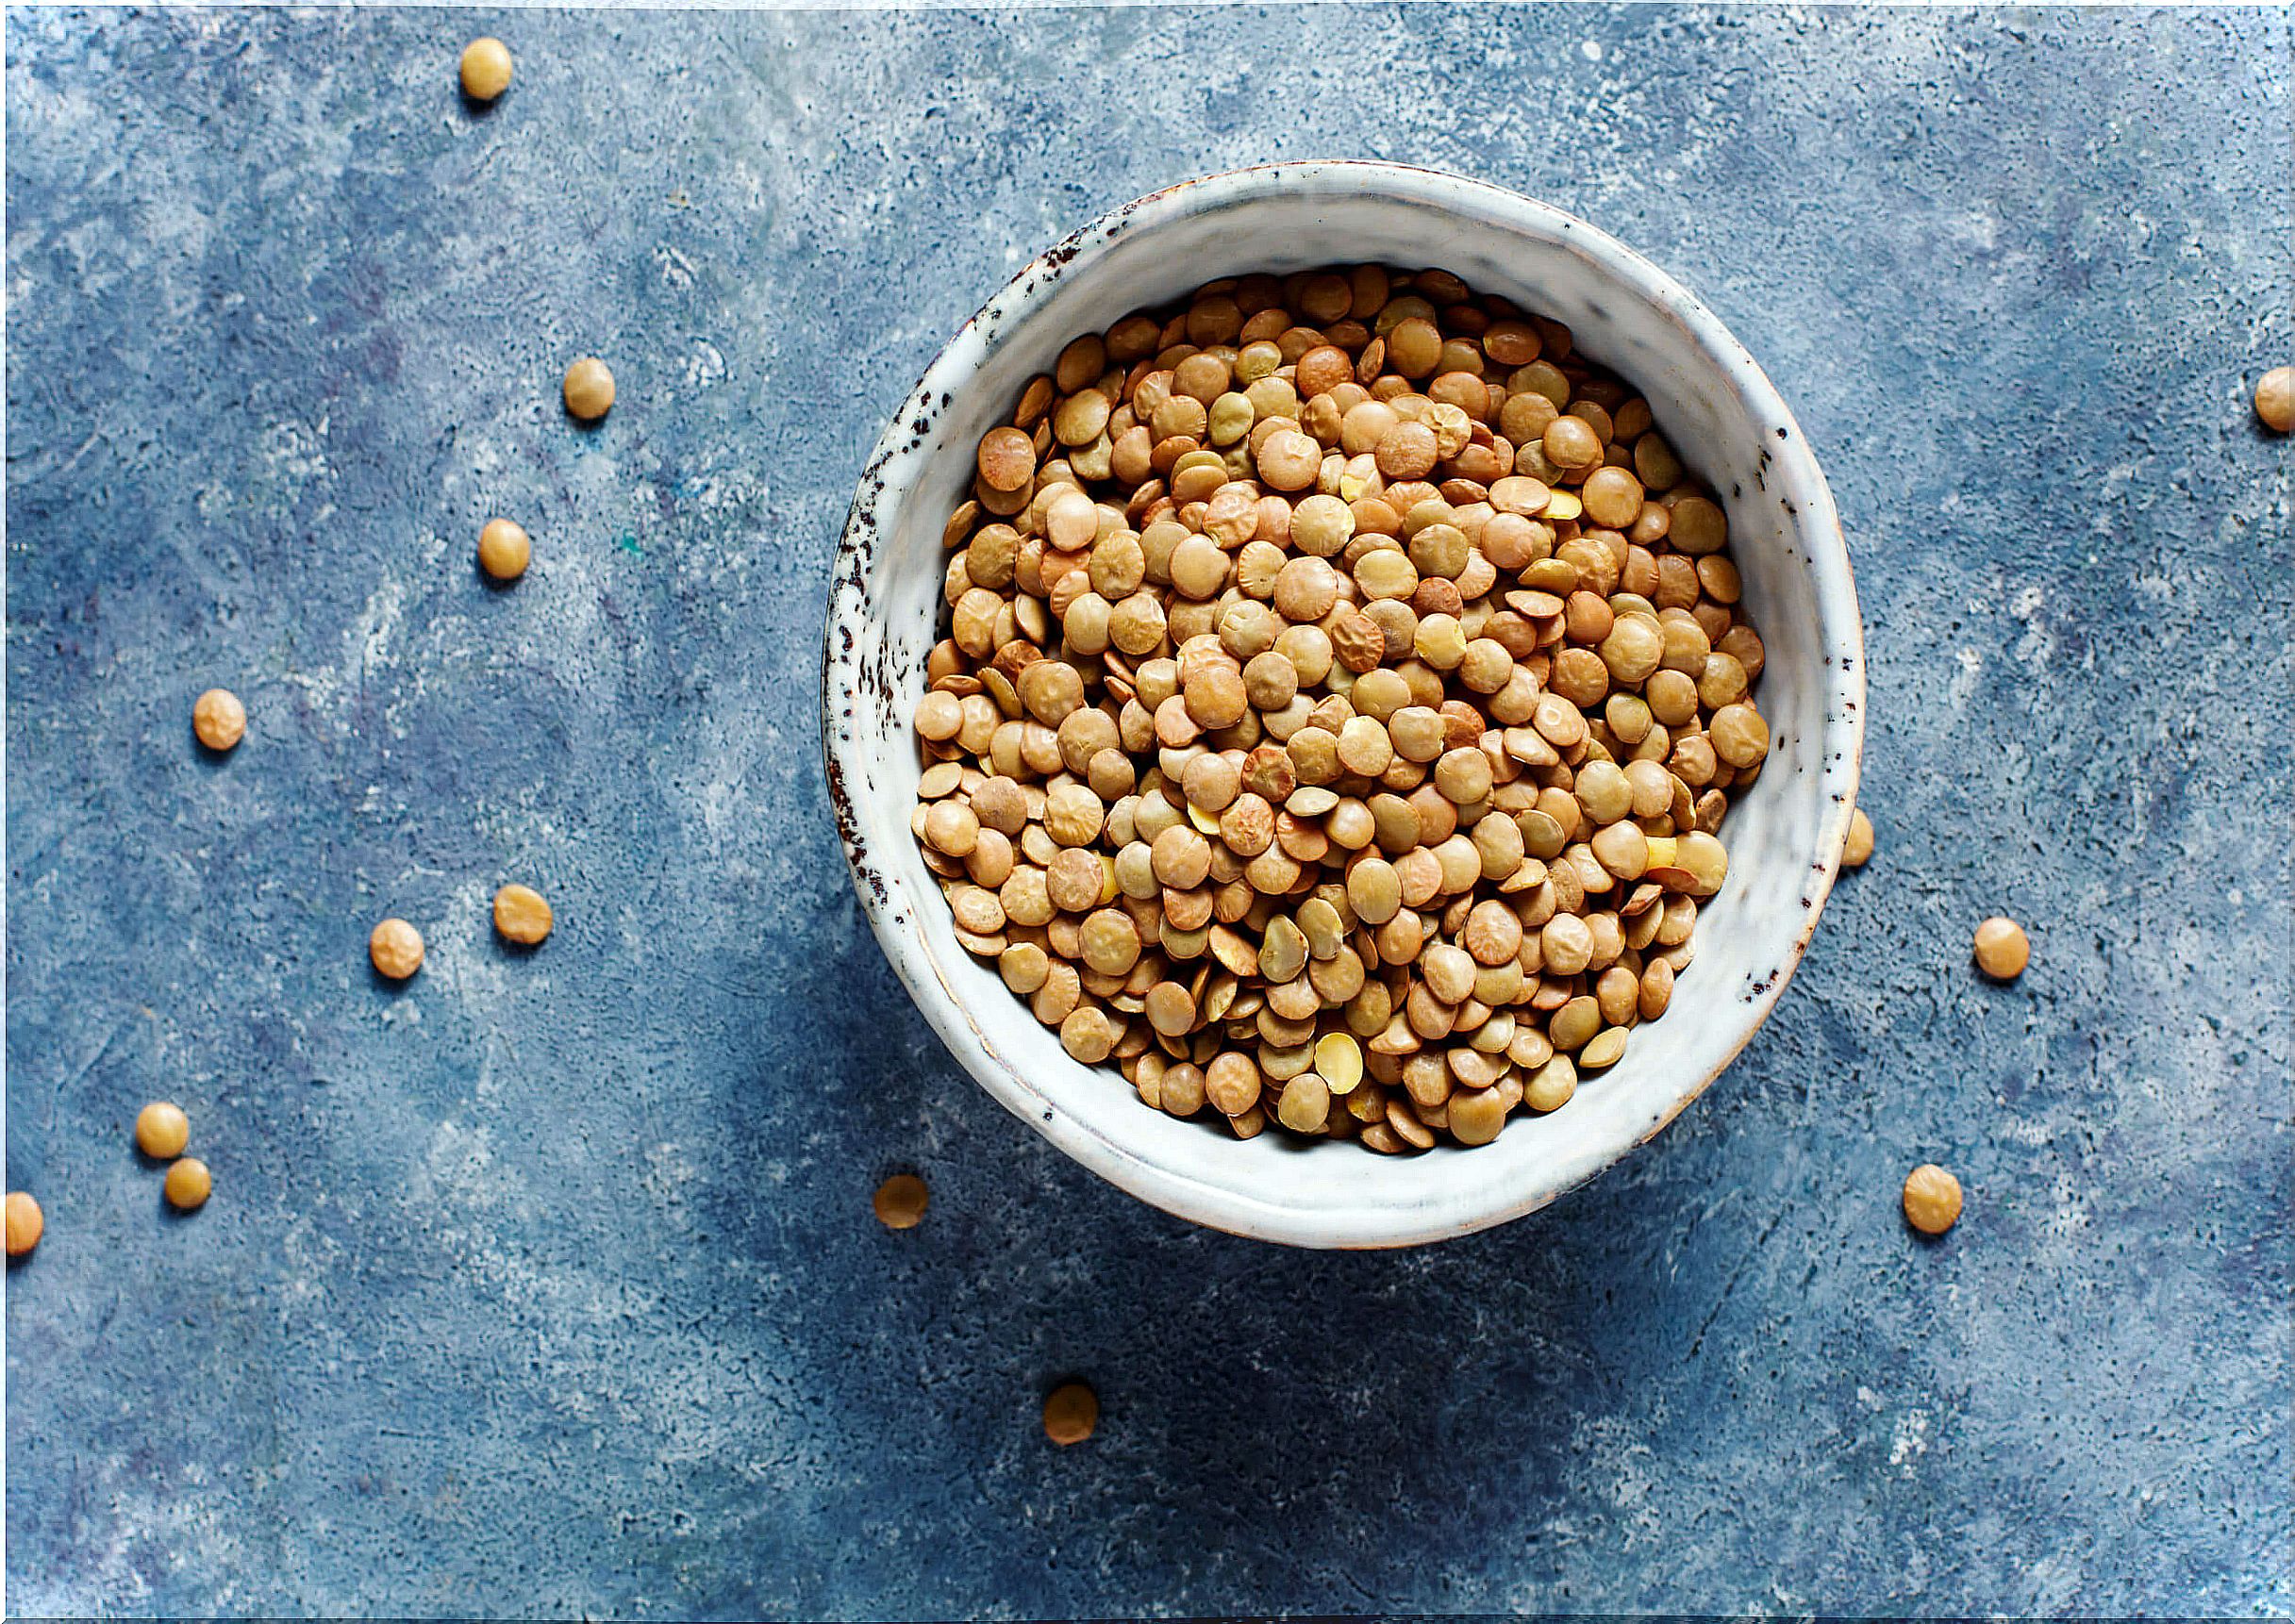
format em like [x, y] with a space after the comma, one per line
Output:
[1343, 688]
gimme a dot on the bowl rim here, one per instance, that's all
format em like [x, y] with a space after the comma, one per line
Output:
[878, 496]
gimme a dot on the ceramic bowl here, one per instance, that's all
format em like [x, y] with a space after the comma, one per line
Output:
[1783, 835]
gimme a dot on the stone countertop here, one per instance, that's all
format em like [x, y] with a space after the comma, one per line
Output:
[549, 1284]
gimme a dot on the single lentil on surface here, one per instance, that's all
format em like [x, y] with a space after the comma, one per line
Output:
[187, 1185]
[900, 1202]
[2275, 398]
[2003, 949]
[395, 949]
[503, 550]
[219, 718]
[162, 1130]
[486, 69]
[589, 388]
[1344, 685]
[24, 1223]
[1071, 1411]
[1932, 1199]
[522, 915]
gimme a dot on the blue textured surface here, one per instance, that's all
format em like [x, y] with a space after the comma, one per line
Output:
[549, 1284]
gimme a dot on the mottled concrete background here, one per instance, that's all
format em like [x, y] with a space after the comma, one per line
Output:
[550, 1284]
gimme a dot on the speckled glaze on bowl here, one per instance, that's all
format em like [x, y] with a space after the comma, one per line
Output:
[1783, 835]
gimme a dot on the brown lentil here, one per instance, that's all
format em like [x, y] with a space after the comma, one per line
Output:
[396, 947]
[1858, 849]
[2003, 949]
[486, 69]
[522, 915]
[503, 550]
[1345, 684]
[24, 1223]
[1932, 1199]
[589, 388]
[162, 1130]
[2275, 398]
[900, 1202]
[1071, 1411]
[218, 718]
[187, 1185]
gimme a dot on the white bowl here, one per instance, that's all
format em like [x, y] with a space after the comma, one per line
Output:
[1716, 407]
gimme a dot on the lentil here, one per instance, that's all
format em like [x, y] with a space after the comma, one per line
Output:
[2003, 949]
[1071, 1411]
[396, 947]
[1932, 1199]
[900, 1202]
[162, 1130]
[503, 550]
[24, 1223]
[219, 718]
[1858, 848]
[589, 388]
[486, 69]
[1343, 688]
[522, 917]
[2275, 398]
[187, 1185]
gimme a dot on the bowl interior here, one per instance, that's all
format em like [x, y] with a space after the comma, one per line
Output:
[1782, 835]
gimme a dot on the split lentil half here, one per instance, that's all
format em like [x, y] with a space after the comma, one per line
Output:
[1343, 689]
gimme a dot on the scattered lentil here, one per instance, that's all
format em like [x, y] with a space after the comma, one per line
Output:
[486, 69]
[2275, 398]
[187, 1185]
[219, 718]
[503, 550]
[162, 1130]
[1932, 1199]
[397, 948]
[589, 388]
[1344, 687]
[900, 1202]
[1072, 1411]
[522, 915]
[2003, 949]
[24, 1223]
